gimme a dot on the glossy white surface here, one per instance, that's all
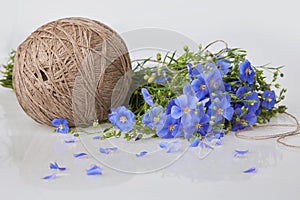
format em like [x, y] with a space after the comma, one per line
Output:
[268, 30]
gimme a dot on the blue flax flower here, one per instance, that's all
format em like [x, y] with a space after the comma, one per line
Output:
[269, 99]
[61, 124]
[223, 66]
[169, 127]
[200, 88]
[184, 106]
[161, 75]
[241, 92]
[122, 118]
[198, 124]
[245, 120]
[194, 70]
[253, 103]
[147, 97]
[246, 73]
[152, 116]
[214, 81]
[221, 108]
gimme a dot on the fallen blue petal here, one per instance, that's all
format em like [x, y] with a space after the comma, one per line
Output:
[174, 146]
[240, 152]
[50, 177]
[94, 170]
[250, 170]
[73, 140]
[77, 155]
[195, 142]
[108, 150]
[55, 166]
[141, 154]
[204, 145]
[96, 137]
[219, 142]
[163, 145]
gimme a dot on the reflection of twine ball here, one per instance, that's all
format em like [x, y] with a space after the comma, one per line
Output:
[68, 69]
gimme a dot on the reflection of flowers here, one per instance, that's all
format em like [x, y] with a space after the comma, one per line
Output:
[61, 124]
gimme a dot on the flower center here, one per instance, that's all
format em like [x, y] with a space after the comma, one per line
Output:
[219, 111]
[186, 110]
[248, 71]
[123, 119]
[198, 125]
[61, 126]
[171, 127]
[202, 87]
[268, 99]
[156, 119]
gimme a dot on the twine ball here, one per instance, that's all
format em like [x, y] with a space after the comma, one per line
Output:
[68, 69]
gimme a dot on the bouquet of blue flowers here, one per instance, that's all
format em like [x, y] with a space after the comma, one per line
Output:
[197, 95]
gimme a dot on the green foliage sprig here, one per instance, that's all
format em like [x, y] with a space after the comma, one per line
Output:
[6, 81]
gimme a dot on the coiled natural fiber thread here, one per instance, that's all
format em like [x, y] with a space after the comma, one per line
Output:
[68, 69]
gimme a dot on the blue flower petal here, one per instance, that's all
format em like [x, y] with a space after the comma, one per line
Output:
[97, 137]
[218, 142]
[250, 170]
[147, 97]
[195, 142]
[176, 112]
[50, 177]
[174, 146]
[94, 170]
[107, 150]
[77, 155]
[163, 145]
[141, 154]
[73, 140]
[240, 152]
[56, 122]
[204, 145]
[55, 166]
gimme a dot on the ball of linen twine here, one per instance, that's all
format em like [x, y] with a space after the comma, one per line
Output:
[68, 69]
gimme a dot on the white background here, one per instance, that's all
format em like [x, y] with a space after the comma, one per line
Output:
[268, 30]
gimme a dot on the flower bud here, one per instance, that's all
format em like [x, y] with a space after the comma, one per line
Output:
[146, 77]
[158, 57]
[159, 71]
[185, 48]
[95, 124]
[151, 79]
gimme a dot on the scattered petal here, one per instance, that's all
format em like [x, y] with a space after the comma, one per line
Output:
[94, 170]
[141, 154]
[174, 146]
[195, 142]
[77, 155]
[204, 145]
[73, 140]
[250, 170]
[97, 137]
[163, 145]
[108, 150]
[50, 177]
[55, 166]
[218, 142]
[240, 152]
